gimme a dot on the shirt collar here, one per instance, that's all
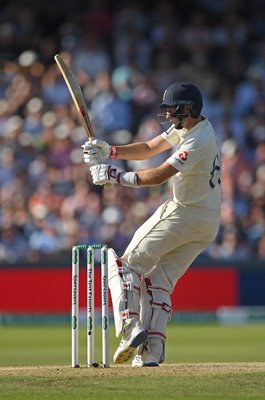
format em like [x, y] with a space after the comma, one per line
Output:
[184, 132]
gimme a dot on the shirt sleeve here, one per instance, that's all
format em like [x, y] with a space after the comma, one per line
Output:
[171, 135]
[187, 155]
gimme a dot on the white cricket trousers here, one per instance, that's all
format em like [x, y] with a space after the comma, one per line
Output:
[169, 241]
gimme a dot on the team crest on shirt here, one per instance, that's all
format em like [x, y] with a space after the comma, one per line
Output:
[182, 155]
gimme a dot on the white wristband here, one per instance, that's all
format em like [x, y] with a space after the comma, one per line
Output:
[128, 179]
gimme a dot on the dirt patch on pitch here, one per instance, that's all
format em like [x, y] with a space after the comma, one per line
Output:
[127, 370]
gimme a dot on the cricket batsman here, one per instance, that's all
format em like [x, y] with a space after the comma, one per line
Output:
[162, 249]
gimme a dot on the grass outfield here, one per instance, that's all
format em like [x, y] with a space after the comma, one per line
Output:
[202, 362]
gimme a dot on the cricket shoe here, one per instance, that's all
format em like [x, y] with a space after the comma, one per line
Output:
[138, 362]
[148, 359]
[129, 343]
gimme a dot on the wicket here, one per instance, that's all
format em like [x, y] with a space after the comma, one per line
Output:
[90, 313]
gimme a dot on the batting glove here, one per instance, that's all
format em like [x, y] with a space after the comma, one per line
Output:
[107, 151]
[103, 174]
[91, 154]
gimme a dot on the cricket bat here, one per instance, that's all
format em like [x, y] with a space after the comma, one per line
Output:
[78, 99]
[77, 95]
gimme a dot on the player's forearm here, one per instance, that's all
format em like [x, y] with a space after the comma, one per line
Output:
[155, 176]
[142, 150]
[135, 151]
[103, 174]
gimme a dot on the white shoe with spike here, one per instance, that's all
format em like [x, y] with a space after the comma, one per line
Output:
[130, 341]
[152, 354]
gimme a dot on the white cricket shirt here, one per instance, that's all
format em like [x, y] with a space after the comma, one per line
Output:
[198, 161]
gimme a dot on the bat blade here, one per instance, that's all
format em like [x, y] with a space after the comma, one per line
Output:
[78, 98]
[76, 93]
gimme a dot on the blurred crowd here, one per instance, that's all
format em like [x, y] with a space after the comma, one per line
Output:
[124, 53]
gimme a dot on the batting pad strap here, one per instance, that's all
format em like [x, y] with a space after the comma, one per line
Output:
[131, 287]
[129, 314]
[156, 333]
[122, 269]
[164, 306]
